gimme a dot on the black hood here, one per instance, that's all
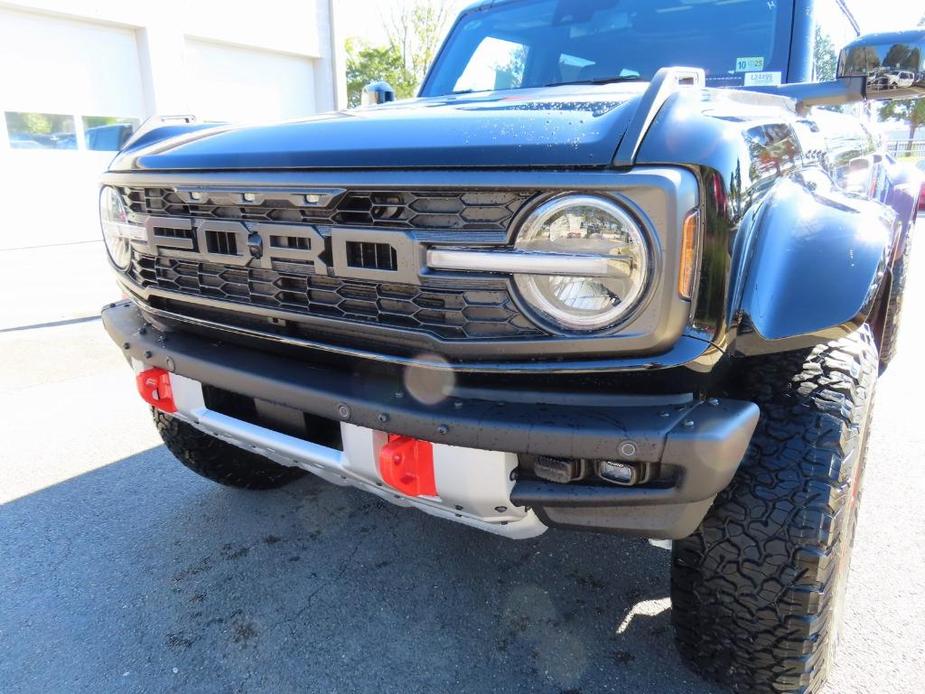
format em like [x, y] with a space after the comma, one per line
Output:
[550, 128]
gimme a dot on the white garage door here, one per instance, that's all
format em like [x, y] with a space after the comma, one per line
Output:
[69, 91]
[55, 65]
[241, 84]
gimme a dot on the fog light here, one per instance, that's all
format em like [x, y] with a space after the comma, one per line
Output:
[559, 470]
[617, 473]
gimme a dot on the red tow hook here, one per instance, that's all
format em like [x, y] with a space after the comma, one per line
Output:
[407, 465]
[154, 388]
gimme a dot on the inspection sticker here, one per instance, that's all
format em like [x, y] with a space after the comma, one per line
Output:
[750, 64]
[762, 79]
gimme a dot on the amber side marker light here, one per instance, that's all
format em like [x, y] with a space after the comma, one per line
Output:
[689, 245]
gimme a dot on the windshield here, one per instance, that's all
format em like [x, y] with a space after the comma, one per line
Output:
[535, 43]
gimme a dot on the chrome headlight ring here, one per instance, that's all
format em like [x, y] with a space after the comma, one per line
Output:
[117, 227]
[599, 263]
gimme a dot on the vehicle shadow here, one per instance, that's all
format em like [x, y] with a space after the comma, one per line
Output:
[141, 576]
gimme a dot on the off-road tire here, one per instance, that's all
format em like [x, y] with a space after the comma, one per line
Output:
[219, 461]
[892, 314]
[757, 590]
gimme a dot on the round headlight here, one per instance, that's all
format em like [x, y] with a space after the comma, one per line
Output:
[588, 232]
[118, 229]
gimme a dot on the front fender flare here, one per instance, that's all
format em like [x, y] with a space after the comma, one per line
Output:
[811, 267]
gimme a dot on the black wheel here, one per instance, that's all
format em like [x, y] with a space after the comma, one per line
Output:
[757, 590]
[892, 314]
[219, 461]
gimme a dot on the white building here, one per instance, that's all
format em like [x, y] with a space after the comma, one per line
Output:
[77, 75]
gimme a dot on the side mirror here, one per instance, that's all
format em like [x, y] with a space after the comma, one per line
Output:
[892, 63]
[376, 93]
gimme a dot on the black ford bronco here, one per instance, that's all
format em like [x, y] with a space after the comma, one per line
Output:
[570, 285]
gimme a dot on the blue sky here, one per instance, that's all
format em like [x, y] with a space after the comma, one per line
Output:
[880, 15]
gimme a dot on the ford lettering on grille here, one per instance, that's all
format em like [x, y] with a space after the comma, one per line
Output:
[376, 255]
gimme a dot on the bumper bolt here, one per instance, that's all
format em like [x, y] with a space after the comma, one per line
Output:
[442, 429]
[125, 345]
[383, 417]
[148, 354]
[343, 411]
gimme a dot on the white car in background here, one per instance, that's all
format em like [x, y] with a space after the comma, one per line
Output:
[901, 79]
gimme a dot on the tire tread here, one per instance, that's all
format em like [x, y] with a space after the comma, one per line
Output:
[753, 588]
[220, 461]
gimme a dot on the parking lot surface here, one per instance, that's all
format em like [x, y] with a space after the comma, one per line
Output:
[121, 570]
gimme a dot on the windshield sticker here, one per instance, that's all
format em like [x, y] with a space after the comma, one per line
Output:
[750, 64]
[762, 79]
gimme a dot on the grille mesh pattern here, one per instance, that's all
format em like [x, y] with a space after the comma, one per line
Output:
[452, 314]
[439, 210]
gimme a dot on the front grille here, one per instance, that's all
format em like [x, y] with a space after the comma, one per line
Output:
[437, 210]
[450, 314]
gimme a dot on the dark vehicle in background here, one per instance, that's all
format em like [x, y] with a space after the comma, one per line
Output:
[18, 141]
[63, 141]
[105, 138]
[109, 138]
[623, 266]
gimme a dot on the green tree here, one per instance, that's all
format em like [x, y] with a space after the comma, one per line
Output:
[911, 111]
[903, 57]
[825, 59]
[367, 64]
[416, 28]
[513, 71]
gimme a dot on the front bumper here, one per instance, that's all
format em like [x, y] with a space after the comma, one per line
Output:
[702, 443]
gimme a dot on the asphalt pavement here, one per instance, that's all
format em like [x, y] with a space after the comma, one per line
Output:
[122, 571]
